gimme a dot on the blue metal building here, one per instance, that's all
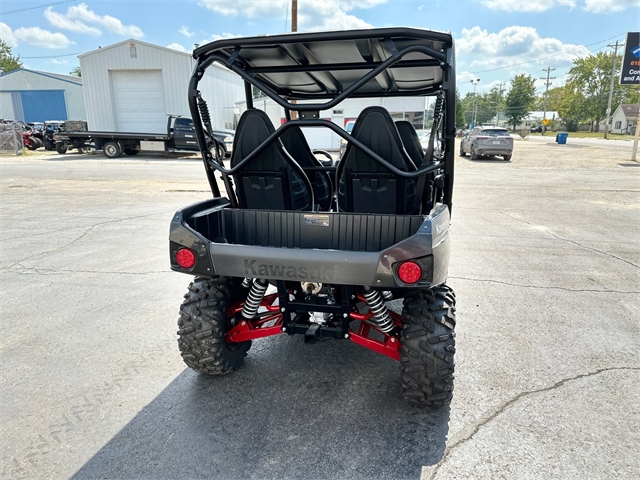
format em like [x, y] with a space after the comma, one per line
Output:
[34, 96]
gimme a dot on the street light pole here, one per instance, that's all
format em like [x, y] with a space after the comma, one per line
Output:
[498, 106]
[475, 83]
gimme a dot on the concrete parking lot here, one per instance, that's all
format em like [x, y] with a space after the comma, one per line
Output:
[545, 265]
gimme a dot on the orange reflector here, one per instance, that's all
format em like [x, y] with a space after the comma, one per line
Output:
[410, 272]
[185, 258]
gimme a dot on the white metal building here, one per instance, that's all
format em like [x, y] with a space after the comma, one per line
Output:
[132, 86]
[34, 96]
[400, 108]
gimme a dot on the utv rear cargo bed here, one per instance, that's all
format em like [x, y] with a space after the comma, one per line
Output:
[342, 248]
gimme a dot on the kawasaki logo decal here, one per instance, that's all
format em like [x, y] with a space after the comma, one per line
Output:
[252, 268]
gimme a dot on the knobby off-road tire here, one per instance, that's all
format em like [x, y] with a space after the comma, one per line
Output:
[202, 326]
[427, 346]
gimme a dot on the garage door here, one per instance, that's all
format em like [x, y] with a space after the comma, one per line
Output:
[138, 97]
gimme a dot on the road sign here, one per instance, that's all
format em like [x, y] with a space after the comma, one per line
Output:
[545, 121]
[630, 71]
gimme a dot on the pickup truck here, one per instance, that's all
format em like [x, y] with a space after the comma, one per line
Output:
[180, 136]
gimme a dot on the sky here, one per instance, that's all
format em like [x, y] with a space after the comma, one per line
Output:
[495, 39]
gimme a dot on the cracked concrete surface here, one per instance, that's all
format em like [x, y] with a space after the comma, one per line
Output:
[544, 263]
[470, 432]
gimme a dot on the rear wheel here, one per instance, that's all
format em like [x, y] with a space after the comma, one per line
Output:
[202, 326]
[84, 150]
[474, 155]
[507, 157]
[427, 344]
[61, 148]
[112, 149]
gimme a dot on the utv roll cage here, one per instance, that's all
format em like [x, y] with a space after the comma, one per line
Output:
[329, 66]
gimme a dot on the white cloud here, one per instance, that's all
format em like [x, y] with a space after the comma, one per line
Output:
[7, 36]
[65, 23]
[527, 6]
[513, 46]
[42, 38]
[55, 61]
[177, 46]
[315, 15]
[186, 32]
[465, 77]
[608, 6]
[78, 18]
[216, 36]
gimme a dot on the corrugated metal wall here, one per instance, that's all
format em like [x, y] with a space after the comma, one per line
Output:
[22, 80]
[6, 106]
[41, 105]
[221, 88]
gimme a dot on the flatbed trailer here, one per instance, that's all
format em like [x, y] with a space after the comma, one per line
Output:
[180, 137]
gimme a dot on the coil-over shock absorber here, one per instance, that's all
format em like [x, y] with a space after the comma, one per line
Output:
[203, 108]
[254, 299]
[378, 308]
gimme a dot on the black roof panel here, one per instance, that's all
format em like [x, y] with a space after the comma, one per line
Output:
[323, 64]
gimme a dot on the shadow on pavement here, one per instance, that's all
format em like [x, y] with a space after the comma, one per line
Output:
[331, 410]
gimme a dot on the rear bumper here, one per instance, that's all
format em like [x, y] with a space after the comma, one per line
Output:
[494, 151]
[429, 245]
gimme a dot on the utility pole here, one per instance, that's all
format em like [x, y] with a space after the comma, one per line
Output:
[475, 83]
[613, 73]
[294, 15]
[546, 95]
[498, 106]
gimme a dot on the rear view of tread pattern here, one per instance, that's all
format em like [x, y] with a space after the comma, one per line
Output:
[428, 346]
[202, 328]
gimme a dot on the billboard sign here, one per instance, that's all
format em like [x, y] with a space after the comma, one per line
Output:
[630, 72]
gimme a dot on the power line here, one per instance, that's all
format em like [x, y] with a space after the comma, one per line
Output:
[37, 6]
[54, 56]
[550, 56]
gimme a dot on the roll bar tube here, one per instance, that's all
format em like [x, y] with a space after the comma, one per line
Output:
[446, 62]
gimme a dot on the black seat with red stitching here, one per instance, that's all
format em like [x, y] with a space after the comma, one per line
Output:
[366, 186]
[272, 180]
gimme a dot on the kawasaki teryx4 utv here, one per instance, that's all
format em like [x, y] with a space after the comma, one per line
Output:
[335, 244]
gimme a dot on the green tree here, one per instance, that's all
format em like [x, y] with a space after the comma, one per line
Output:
[460, 120]
[7, 61]
[554, 101]
[590, 76]
[520, 99]
[76, 72]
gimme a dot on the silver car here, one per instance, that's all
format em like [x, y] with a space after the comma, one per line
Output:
[484, 141]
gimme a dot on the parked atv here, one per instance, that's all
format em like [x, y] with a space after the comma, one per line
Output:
[30, 140]
[298, 248]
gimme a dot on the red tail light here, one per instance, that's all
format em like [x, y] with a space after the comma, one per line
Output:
[482, 138]
[185, 258]
[410, 272]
